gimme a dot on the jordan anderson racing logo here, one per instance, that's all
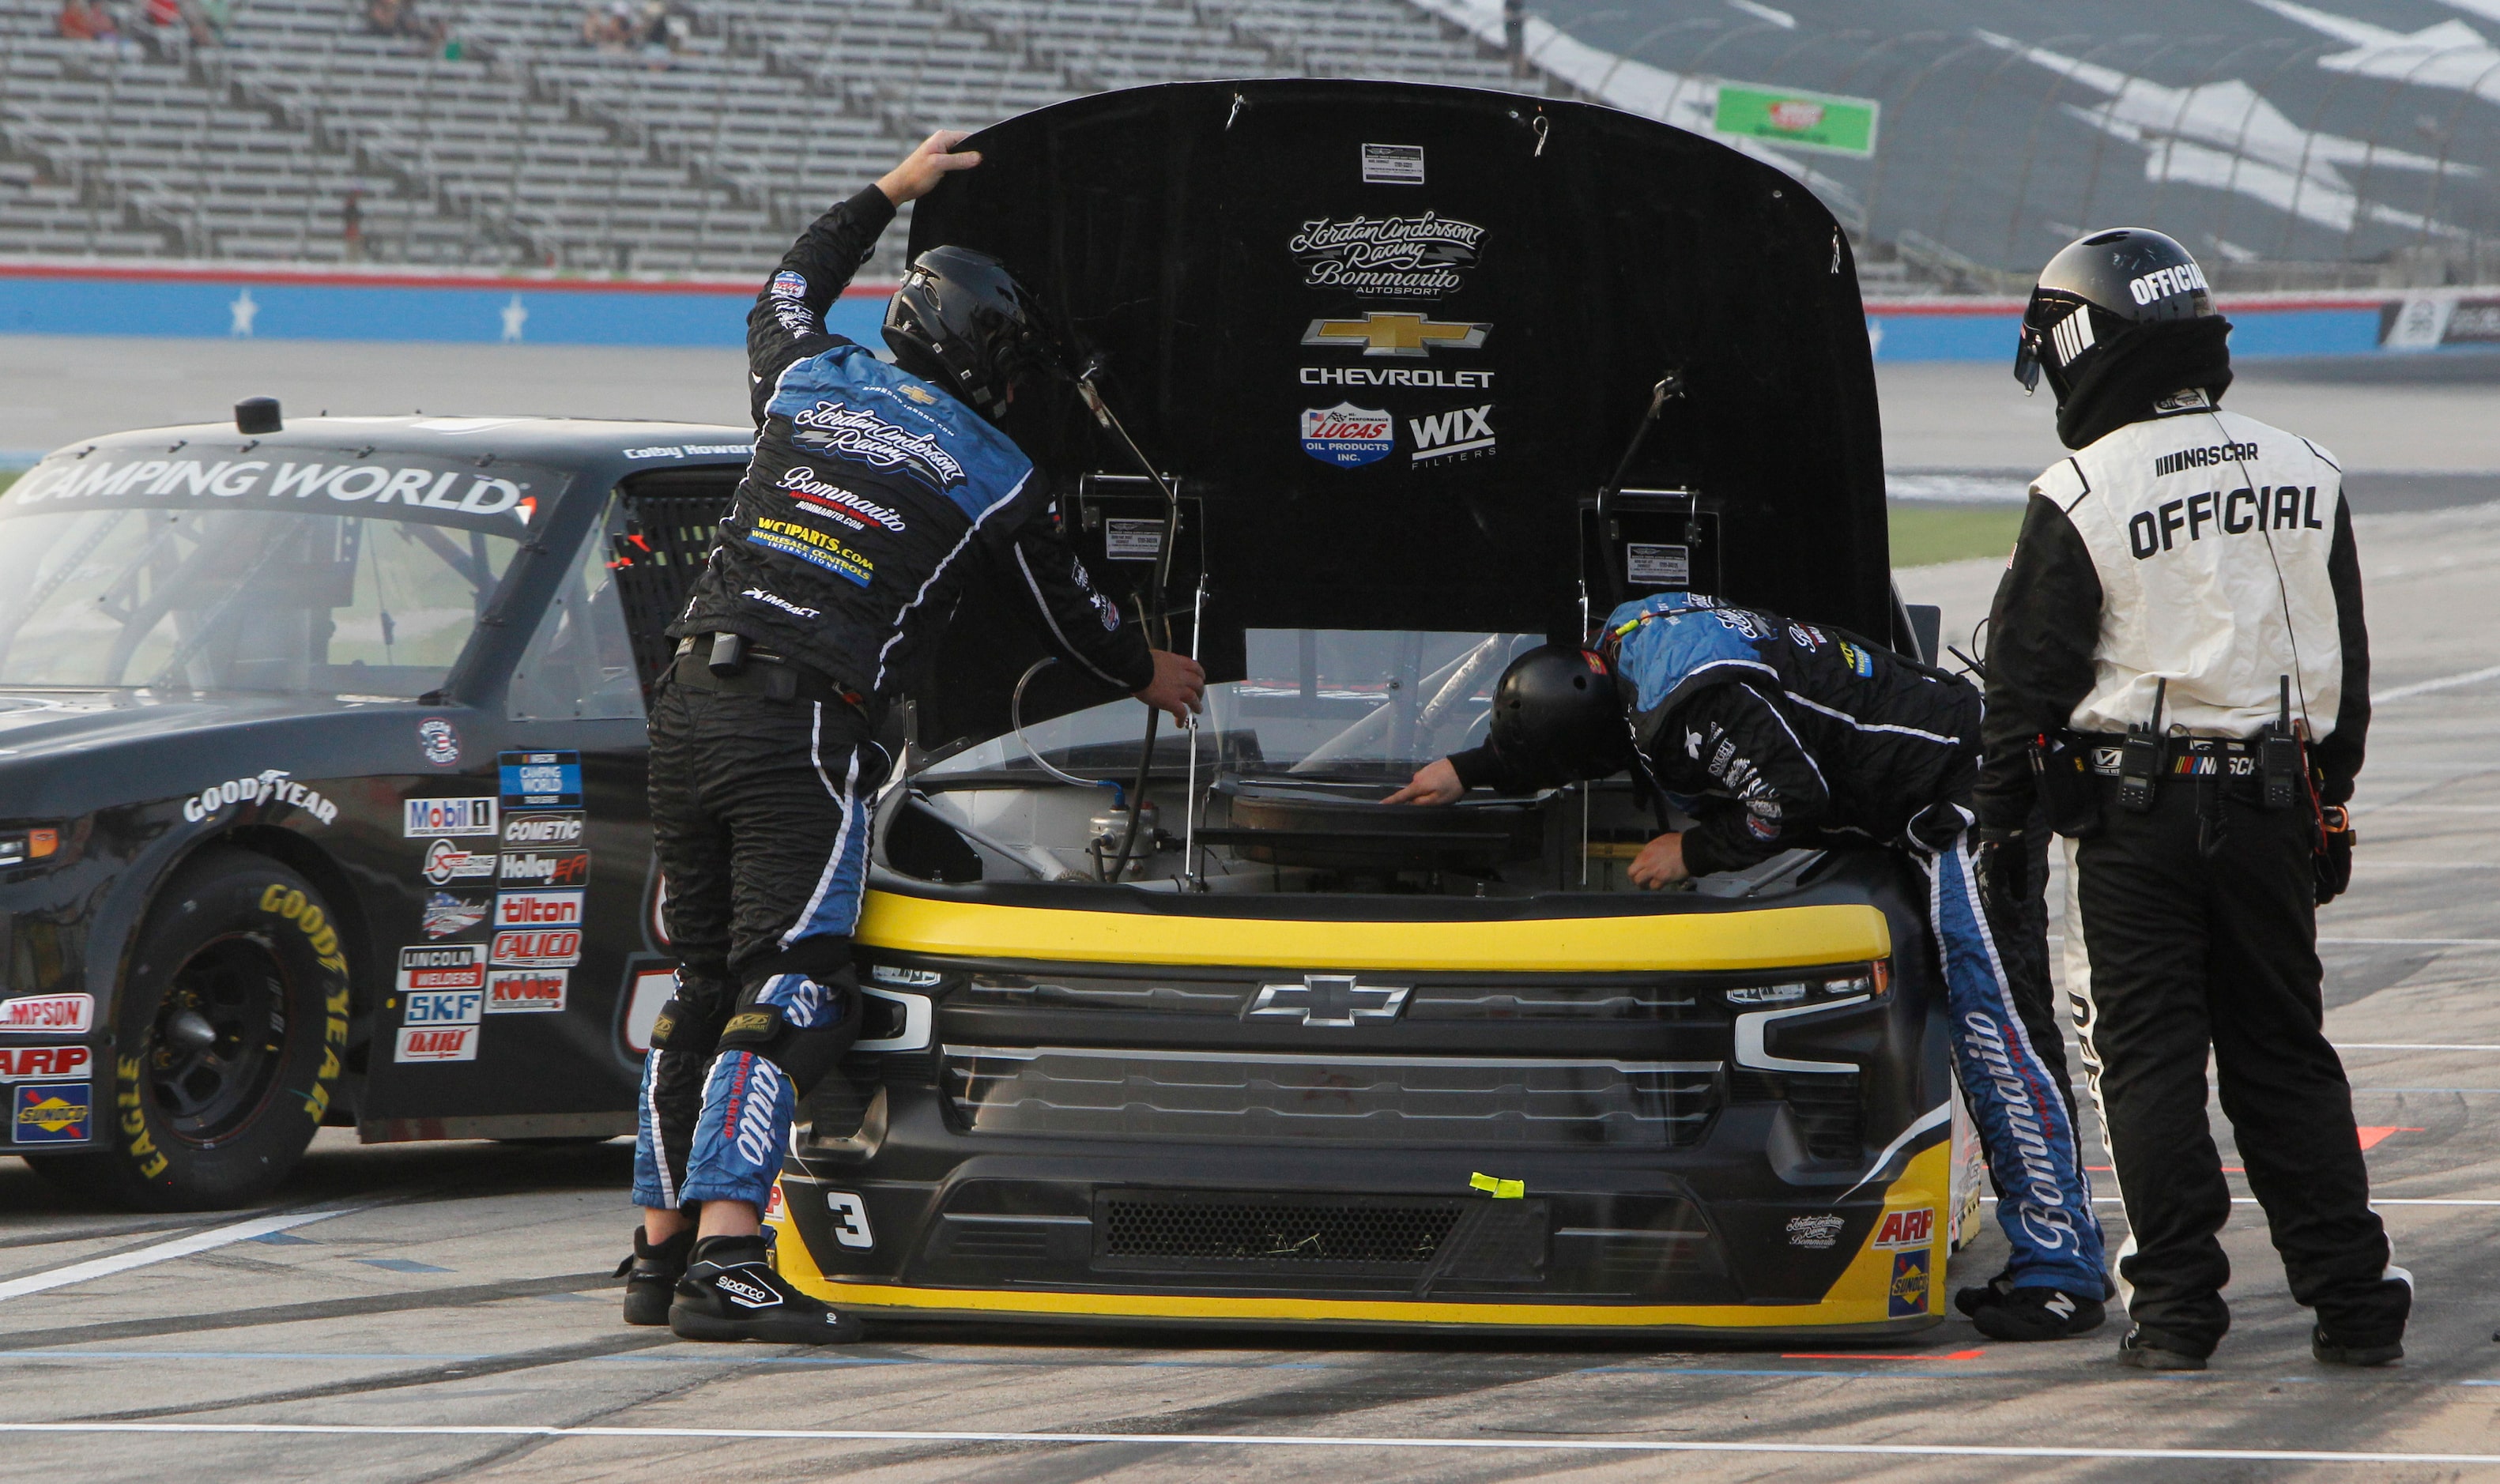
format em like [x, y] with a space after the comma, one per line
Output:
[870, 440]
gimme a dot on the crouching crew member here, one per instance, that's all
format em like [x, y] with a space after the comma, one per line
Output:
[1780, 735]
[2177, 661]
[876, 493]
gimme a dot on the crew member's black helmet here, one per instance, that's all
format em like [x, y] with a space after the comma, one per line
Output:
[962, 320]
[2099, 293]
[1556, 717]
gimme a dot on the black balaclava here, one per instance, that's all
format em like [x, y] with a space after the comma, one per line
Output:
[2158, 359]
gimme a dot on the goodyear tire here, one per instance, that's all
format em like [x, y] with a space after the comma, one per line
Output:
[227, 1039]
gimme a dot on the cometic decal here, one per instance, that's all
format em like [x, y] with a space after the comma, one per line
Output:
[446, 862]
[542, 830]
[53, 1113]
[437, 1044]
[267, 785]
[540, 780]
[1347, 436]
[47, 1014]
[26, 1063]
[448, 816]
[1392, 257]
[513, 991]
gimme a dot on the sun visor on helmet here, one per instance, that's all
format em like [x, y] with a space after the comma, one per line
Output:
[1392, 339]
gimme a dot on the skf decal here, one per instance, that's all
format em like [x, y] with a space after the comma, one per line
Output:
[1909, 1291]
[53, 1113]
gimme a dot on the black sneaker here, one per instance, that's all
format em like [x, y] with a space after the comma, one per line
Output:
[651, 1276]
[730, 1292]
[2330, 1351]
[2139, 1351]
[1970, 1301]
[2038, 1313]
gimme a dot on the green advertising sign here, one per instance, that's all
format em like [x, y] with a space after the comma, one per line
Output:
[1800, 121]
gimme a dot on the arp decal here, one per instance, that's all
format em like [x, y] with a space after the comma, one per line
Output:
[540, 780]
[442, 1008]
[53, 1113]
[1909, 1290]
[536, 948]
[432, 967]
[542, 830]
[514, 991]
[538, 909]
[1347, 436]
[47, 1014]
[440, 741]
[451, 912]
[537, 868]
[270, 784]
[446, 862]
[28, 1063]
[448, 816]
[437, 1044]
[1906, 1229]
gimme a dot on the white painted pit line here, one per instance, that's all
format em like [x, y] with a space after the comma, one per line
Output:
[1271, 1440]
[2444, 682]
[164, 1251]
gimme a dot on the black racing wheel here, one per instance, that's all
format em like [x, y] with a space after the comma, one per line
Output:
[228, 1035]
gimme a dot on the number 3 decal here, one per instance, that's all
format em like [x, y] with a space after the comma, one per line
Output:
[851, 1219]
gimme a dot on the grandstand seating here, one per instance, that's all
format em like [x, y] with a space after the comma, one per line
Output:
[532, 147]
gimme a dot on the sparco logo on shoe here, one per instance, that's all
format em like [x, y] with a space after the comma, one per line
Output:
[542, 830]
[270, 783]
[47, 1015]
[747, 1294]
[446, 862]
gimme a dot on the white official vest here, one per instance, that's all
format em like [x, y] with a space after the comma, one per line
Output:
[2210, 532]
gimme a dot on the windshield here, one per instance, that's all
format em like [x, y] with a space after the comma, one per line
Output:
[1359, 705]
[229, 597]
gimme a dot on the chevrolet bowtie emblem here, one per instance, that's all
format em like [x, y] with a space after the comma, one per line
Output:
[1330, 1000]
[1391, 334]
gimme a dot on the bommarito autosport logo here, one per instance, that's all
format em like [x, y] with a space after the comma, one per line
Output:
[1396, 257]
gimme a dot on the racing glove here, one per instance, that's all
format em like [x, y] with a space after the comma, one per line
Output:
[2333, 862]
[2003, 864]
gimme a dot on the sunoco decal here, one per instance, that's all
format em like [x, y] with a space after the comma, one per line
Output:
[1347, 436]
[536, 948]
[26, 1063]
[267, 785]
[519, 991]
[53, 1113]
[1391, 257]
[446, 862]
[542, 830]
[449, 816]
[540, 780]
[47, 1014]
[431, 967]
[437, 1044]
[1909, 1290]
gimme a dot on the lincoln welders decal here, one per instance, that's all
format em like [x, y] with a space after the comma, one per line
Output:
[1347, 436]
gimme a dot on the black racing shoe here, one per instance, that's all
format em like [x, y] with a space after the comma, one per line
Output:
[2140, 1351]
[1970, 1301]
[2038, 1313]
[2330, 1351]
[730, 1292]
[651, 1276]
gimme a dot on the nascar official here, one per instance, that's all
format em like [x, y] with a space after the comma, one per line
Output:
[2177, 662]
[876, 493]
[1778, 735]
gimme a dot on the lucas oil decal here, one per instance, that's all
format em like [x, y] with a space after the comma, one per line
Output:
[1909, 1291]
[540, 780]
[26, 1063]
[516, 990]
[47, 1014]
[53, 1113]
[1348, 436]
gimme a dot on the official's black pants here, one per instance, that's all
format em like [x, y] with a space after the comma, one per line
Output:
[2184, 950]
[760, 813]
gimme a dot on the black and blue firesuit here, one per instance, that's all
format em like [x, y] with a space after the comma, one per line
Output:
[872, 498]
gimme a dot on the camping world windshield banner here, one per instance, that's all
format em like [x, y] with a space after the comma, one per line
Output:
[394, 486]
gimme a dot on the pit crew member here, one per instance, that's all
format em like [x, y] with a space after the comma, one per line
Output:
[2178, 662]
[876, 493]
[1777, 734]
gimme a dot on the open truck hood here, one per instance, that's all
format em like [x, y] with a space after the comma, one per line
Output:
[1394, 338]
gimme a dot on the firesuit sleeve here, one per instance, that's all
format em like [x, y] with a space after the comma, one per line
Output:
[1482, 768]
[1778, 792]
[788, 321]
[1085, 626]
[2339, 756]
[2042, 631]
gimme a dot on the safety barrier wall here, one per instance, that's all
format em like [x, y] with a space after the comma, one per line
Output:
[224, 302]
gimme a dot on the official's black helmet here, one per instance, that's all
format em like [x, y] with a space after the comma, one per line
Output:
[2099, 293]
[1556, 717]
[962, 320]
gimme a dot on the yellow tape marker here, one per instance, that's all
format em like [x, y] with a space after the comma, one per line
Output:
[1502, 1190]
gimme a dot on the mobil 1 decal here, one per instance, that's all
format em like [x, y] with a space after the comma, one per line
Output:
[540, 780]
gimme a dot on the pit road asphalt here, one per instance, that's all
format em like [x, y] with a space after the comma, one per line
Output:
[445, 1310]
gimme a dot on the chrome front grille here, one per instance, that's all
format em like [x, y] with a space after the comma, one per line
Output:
[1075, 1091]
